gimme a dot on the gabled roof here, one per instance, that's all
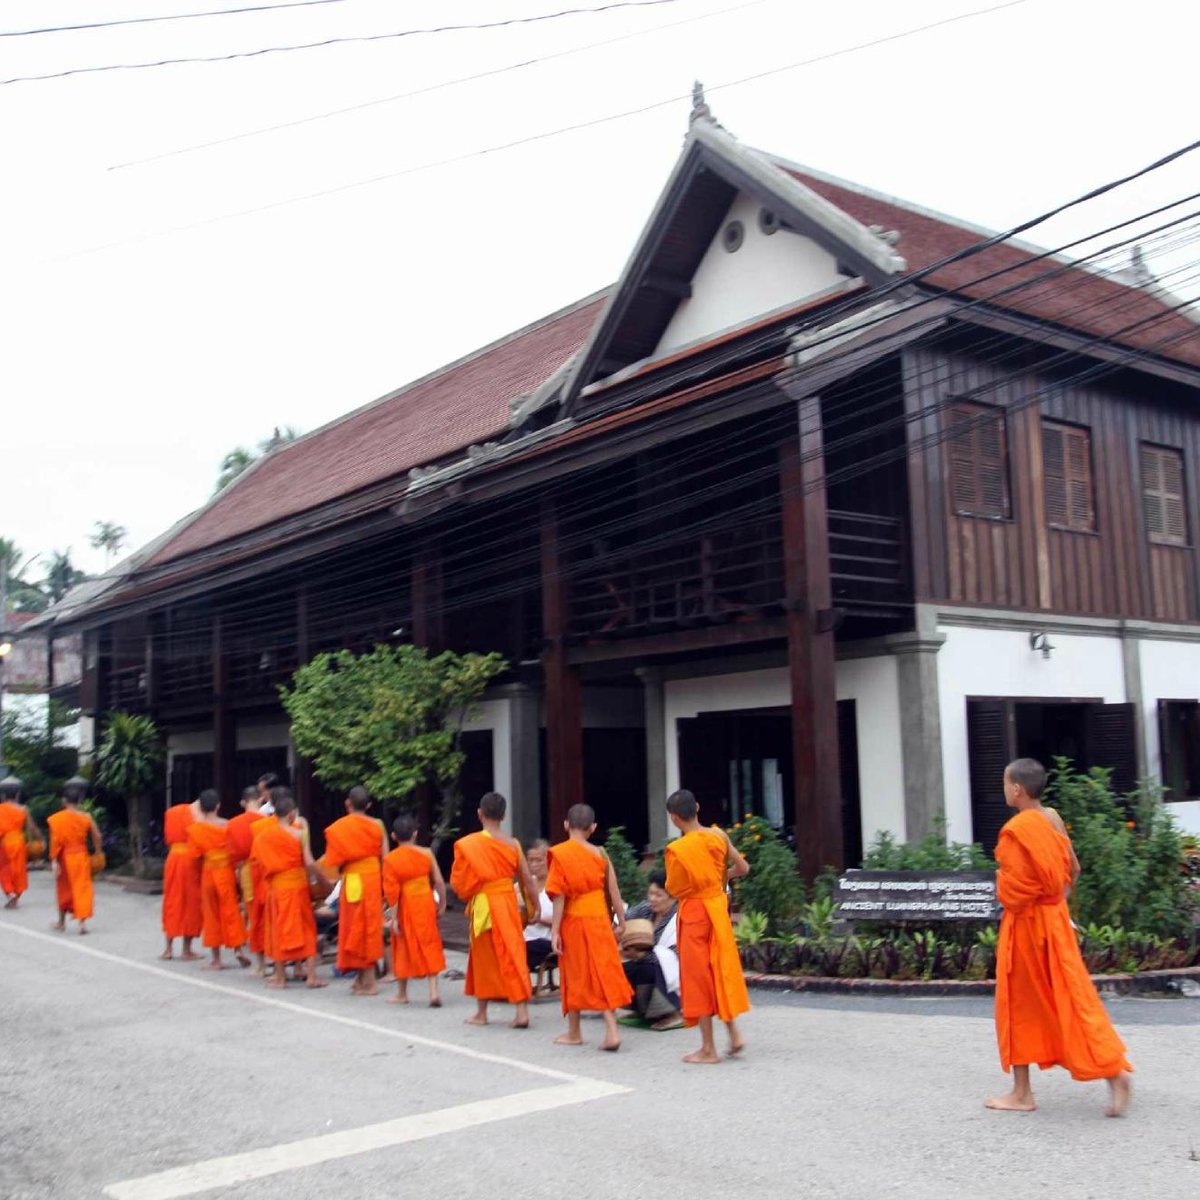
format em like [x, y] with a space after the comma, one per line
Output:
[712, 169]
[446, 411]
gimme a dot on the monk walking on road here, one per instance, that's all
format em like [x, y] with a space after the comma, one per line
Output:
[208, 840]
[355, 845]
[1047, 1008]
[281, 850]
[583, 886]
[414, 887]
[711, 983]
[486, 865]
[16, 831]
[181, 914]
[70, 829]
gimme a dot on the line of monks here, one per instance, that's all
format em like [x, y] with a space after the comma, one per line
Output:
[249, 883]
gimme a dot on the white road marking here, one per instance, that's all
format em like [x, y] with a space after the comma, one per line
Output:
[61, 941]
[307, 1152]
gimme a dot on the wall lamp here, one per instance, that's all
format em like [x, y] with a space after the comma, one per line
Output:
[1039, 640]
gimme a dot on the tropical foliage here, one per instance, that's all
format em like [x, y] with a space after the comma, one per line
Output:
[239, 458]
[127, 766]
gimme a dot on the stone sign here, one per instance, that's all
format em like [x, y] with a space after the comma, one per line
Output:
[916, 896]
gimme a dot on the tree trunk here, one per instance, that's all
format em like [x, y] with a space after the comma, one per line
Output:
[137, 834]
[449, 810]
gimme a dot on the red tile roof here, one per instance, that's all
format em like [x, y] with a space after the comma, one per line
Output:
[1072, 297]
[456, 406]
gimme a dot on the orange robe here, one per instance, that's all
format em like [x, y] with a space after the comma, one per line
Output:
[218, 886]
[255, 887]
[290, 927]
[14, 872]
[69, 831]
[1047, 1009]
[483, 874]
[181, 912]
[354, 845]
[590, 963]
[711, 982]
[417, 943]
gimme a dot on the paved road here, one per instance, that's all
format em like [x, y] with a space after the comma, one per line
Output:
[116, 1069]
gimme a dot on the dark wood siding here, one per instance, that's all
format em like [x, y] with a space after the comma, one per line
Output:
[1028, 561]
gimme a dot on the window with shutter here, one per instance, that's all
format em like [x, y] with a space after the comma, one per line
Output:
[978, 449]
[1163, 495]
[1067, 470]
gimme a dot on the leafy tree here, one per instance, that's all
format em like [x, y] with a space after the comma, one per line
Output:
[33, 747]
[239, 458]
[630, 880]
[390, 719]
[773, 887]
[109, 537]
[127, 764]
[20, 594]
[61, 575]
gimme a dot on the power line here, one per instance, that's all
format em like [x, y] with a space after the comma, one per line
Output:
[216, 12]
[341, 41]
[433, 87]
[529, 139]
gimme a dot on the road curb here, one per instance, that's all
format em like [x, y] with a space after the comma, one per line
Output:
[1142, 983]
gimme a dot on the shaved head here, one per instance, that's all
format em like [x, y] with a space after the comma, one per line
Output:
[581, 816]
[281, 798]
[493, 806]
[683, 804]
[359, 798]
[210, 801]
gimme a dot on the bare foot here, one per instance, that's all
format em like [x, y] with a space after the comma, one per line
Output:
[280, 984]
[435, 1002]
[166, 956]
[564, 1039]
[518, 1025]
[190, 956]
[1120, 1093]
[59, 927]
[612, 1047]
[12, 903]
[476, 1020]
[258, 972]
[735, 1048]
[1011, 1102]
[367, 991]
[397, 999]
[214, 966]
[242, 961]
[707, 1057]
[317, 983]
[82, 931]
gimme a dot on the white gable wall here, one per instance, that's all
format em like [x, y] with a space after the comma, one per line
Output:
[766, 273]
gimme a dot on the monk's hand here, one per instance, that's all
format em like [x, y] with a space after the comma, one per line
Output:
[556, 942]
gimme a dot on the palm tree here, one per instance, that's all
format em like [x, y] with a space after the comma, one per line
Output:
[127, 765]
[20, 595]
[239, 458]
[109, 537]
[61, 574]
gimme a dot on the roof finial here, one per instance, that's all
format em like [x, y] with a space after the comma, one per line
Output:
[700, 109]
[1138, 268]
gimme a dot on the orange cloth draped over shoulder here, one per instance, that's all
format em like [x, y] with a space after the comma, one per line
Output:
[223, 924]
[354, 844]
[711, 982]
[181, 909]
[14, 857]
[255, 889]
[1047, 1009]
[590, 969]
[290, 927]
[417, 941]
[483, 875]
[69, 831]
[241, 834]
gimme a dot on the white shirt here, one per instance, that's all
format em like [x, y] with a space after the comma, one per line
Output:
[667, 953]
[541, 928]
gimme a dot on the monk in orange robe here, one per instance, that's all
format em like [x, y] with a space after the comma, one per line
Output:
[208, 840]
[255, 893]
[413, 886]
[241, 834]
[1047, 1009]
[486, 864]
[15, 826]
[583, 887]
[70, 829]
[354, 846]
[711, 983]
[181, 910]
[281, 850]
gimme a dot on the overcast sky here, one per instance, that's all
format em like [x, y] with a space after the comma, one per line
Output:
[146, 330]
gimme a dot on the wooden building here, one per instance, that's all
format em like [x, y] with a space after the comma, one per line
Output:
[825, 510]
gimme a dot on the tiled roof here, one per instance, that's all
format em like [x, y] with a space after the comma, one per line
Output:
[1078, 299]
[446, 411]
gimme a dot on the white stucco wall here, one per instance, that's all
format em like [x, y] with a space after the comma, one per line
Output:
[1170, 671]
[766, 273]
[999, 662]
[494, 715]
[871, 682]
[264, 737]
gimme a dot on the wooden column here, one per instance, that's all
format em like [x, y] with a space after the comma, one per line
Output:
[563, 690]
[810, 624]
[428, 626]
[302, 776]
[224, 736]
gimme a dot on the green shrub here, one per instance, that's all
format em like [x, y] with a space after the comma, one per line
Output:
[630, 879]
[931, 853]
[773, 886]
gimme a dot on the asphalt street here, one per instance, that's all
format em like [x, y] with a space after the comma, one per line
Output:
[128, 1078]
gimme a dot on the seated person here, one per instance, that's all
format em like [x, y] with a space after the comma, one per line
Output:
[537, 931]
[654, 977]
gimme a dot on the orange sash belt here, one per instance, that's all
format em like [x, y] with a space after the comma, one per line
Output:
[361, 866]
[178, 848]
[416, 887]
[710, 894]
[294, 877]
[589, 904]
[216, 858]
[74, 848]
[497, 887]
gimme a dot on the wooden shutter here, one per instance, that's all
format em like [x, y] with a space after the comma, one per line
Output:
[852, 831]
[1067, 469]
[1179, 748]
[978, 460]
[1163, 498]
[991, 746]
[1112, 743]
